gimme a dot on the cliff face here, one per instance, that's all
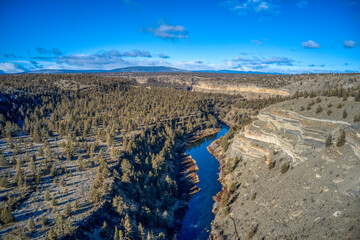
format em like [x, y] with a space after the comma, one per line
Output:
[242, 89]
[288, 184]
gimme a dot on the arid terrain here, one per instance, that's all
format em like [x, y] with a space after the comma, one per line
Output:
[292, 173]
[84, 155]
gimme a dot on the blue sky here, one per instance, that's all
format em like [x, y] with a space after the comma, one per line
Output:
[288, 36]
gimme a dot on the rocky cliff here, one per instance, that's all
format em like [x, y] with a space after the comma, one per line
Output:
[282, 178]
[248, 91]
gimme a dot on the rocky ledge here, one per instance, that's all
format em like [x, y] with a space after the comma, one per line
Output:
[284, 179]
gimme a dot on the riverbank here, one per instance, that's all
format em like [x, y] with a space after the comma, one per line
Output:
[201, 134]
[197, 221]
[216, 150]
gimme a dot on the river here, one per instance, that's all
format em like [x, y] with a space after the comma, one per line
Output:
[197, 221]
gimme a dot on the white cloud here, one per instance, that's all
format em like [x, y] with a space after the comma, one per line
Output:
[310, 44]
[102, 58]
[349, 44]
[244, 6]
[9, 67]
[263, 6]
[167, 31]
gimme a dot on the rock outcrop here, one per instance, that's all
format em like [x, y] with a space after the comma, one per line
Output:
[248, 91]
[288, 184]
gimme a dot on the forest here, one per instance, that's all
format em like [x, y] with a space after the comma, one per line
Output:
[75, 145]
[100, 155]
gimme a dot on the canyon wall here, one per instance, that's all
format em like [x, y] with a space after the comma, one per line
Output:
[280, 181]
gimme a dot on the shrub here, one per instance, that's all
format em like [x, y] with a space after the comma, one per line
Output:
[341, 139]
[271, 165]
[224, 199]
[250, 233]
[319, 109]
[253, 196]
[284, 167]
[232, 187]
[328, 141]
[357, 118]
[344, 115]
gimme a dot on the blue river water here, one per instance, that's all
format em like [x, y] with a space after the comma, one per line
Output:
[198, 218]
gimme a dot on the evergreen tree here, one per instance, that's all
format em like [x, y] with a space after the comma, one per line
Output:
[52, 234]
[67, 210]
[341, 140]
[54, 202]
[47, 195]
[4, 183]
[77, 204]
[30, 225]
[7, 216]
[128, 227]
[116, 234]
[141, 231]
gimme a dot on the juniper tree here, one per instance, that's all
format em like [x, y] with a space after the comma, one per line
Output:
[67, 210]
[6, 215]
[54, 202]
[30, 225]
[341, 139]
[4, 183]
[328, 141]
[47, 195]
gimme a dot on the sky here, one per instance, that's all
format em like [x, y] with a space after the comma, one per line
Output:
[284, 36]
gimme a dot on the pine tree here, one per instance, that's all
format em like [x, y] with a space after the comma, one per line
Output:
[36, 136]
[63, 183]
[141, 231]
[32, 165]
[116, 235]
[52, 234]
[53, 202]
[30, 225]
[128, 227]
[161, 236]
[4, 183]
[3, 161]
[7, 216]
[19, 170]
[59, 224]
[67, 210]
[104, 230]
[121, 235]
[47, 195]
[44, 221]
[77, 204]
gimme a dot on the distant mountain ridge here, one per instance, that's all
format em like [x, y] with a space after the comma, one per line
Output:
[142, 69]
[125, 69]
